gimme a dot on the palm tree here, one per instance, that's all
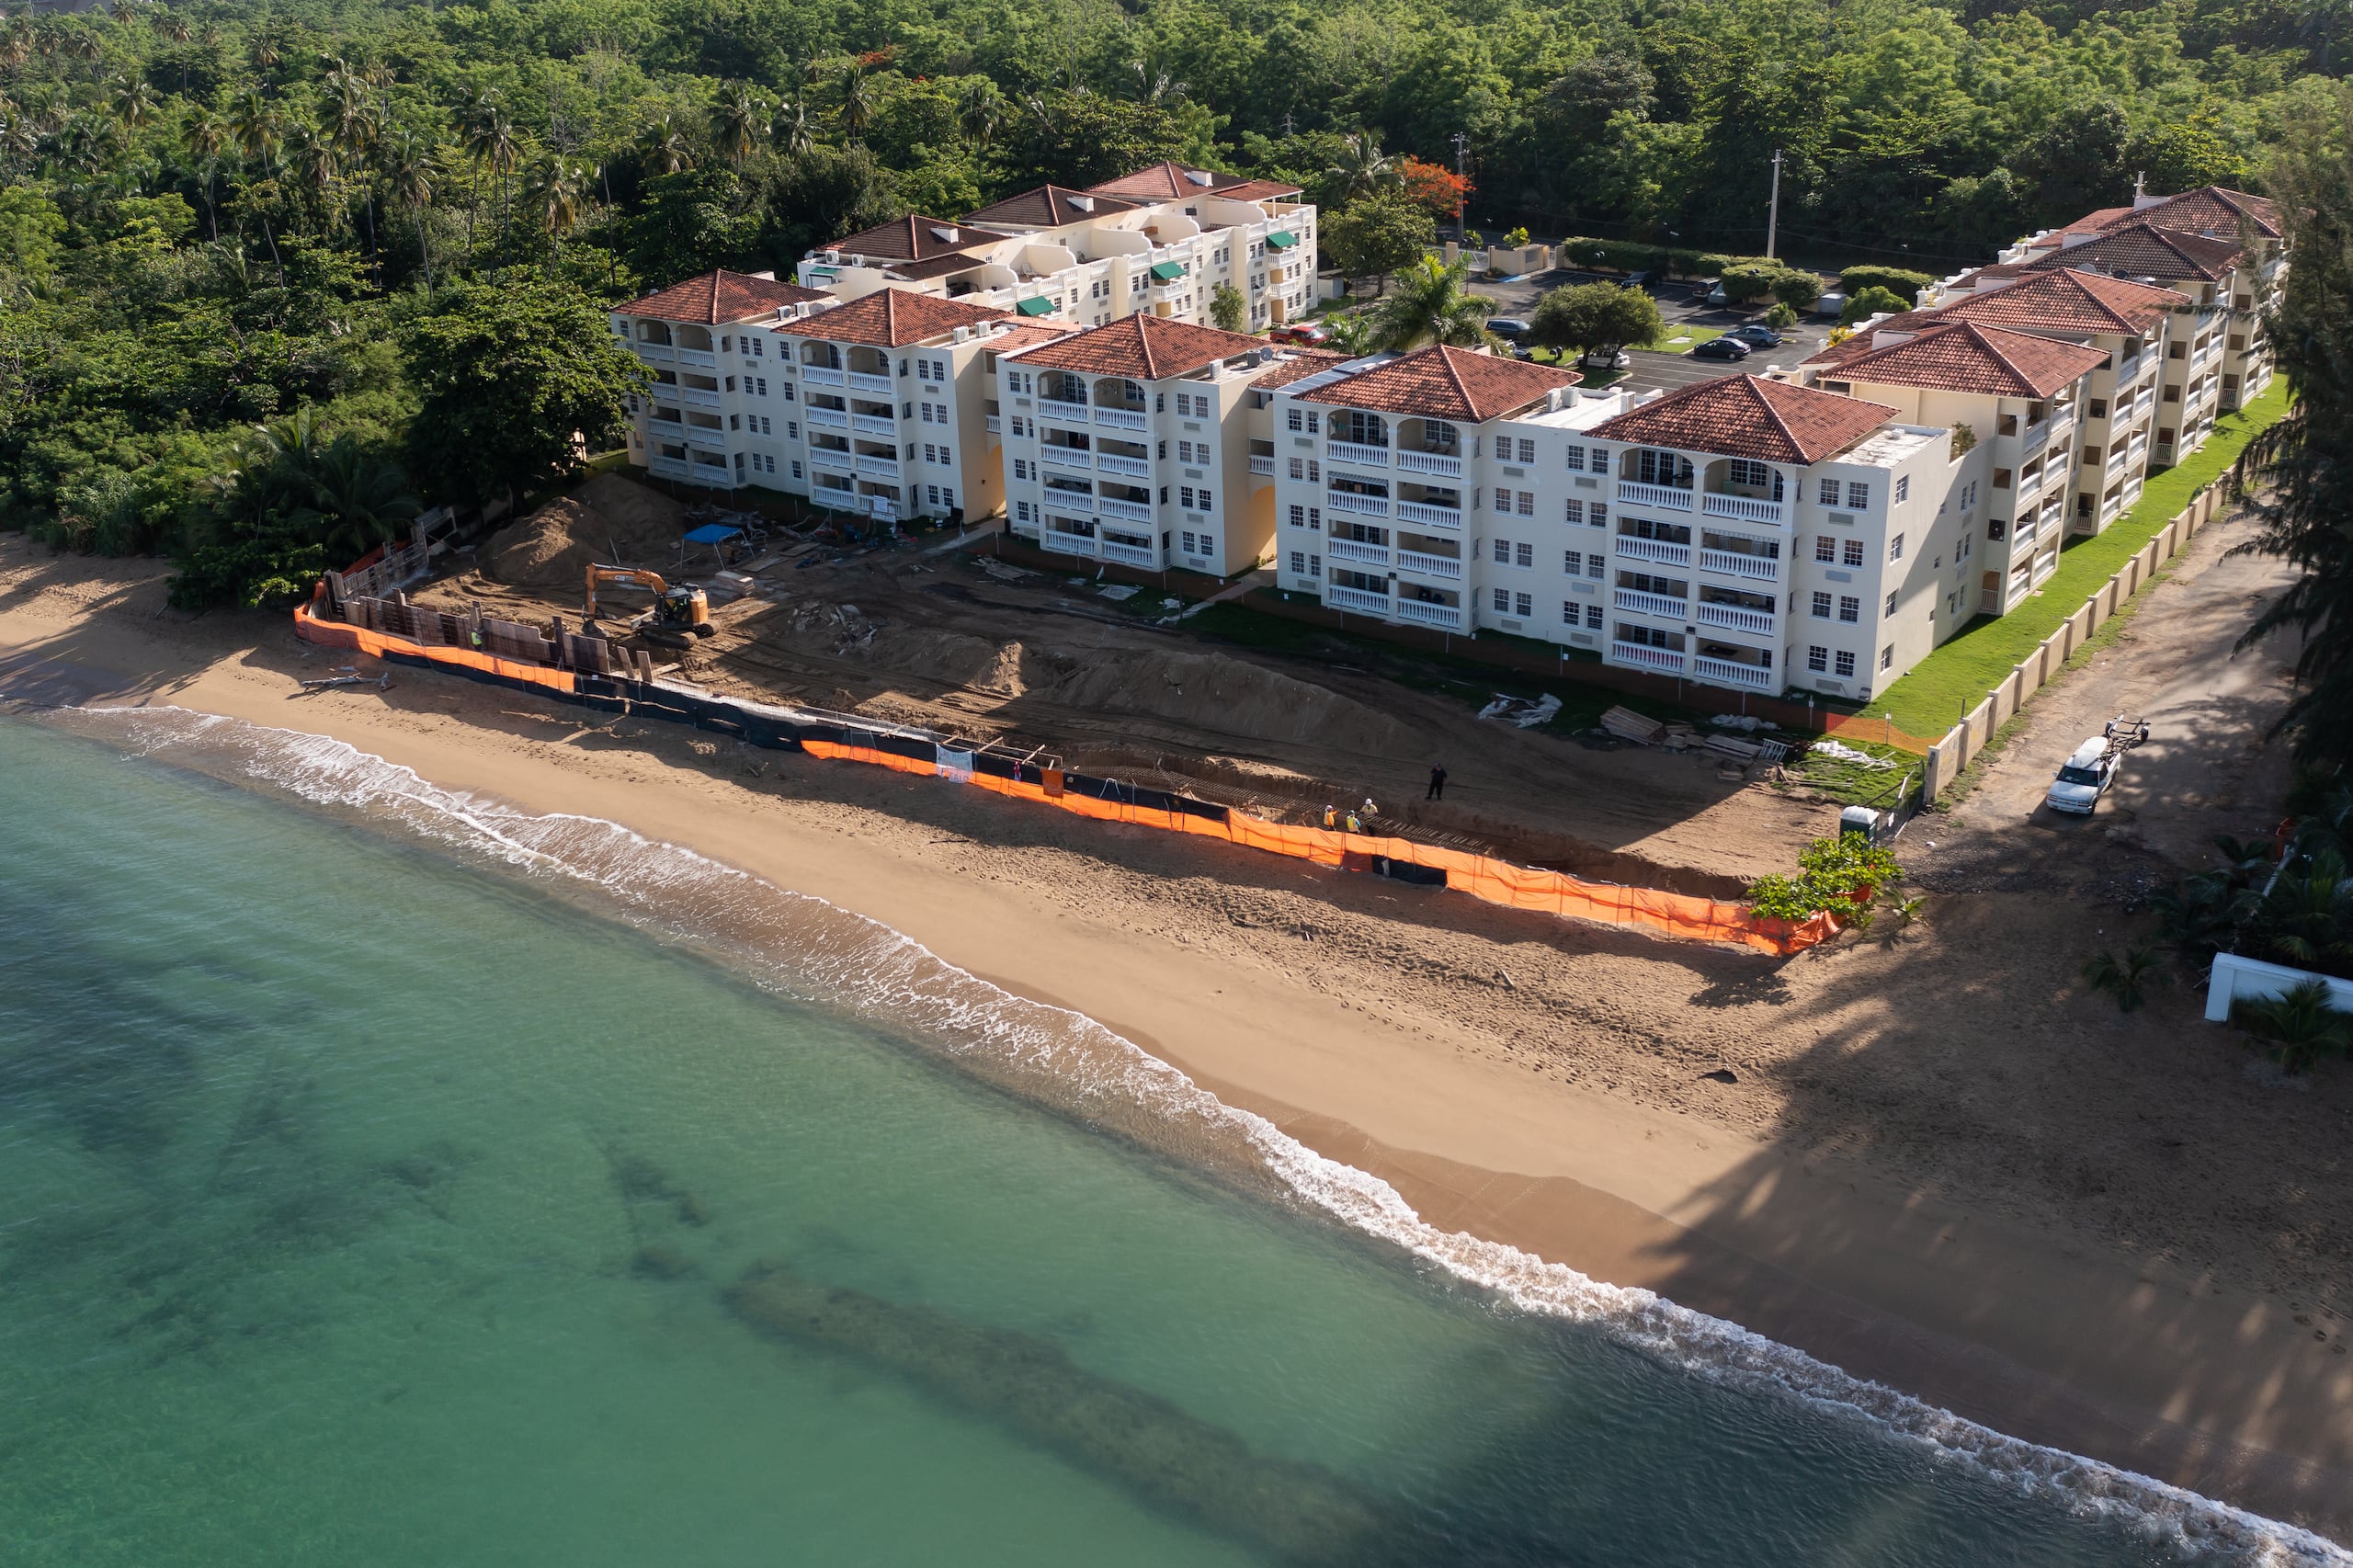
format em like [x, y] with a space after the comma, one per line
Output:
[1361, 167]
[735, 121]
[473, 109]
[354, 127]
[408, 182]
[792, 130]
[359, 499]
[557, 192]
[1432, 306]
[1156, 87]
[663, 145]
[857, 109]
[490, 142]
[19, 142]
[312, 159]
[254, 127]
[265, 55]
[981, 112]
[206, 137]
[134, 103]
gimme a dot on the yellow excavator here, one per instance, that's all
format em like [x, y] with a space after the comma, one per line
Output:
[677, 613]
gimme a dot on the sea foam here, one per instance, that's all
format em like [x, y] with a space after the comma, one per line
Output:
[819, 952]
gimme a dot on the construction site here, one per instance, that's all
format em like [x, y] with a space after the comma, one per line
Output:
[1148, 687]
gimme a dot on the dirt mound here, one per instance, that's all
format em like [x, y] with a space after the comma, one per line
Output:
[609, 519]
[1227, 696]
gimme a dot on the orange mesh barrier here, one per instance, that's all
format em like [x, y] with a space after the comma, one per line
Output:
[358, 639]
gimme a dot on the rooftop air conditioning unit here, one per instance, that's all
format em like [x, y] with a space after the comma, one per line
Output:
[832, 258]
[961, 334]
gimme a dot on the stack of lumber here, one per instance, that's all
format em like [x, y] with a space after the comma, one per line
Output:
[1629, 726]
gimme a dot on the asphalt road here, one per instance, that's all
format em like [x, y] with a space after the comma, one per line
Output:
[1668, 371]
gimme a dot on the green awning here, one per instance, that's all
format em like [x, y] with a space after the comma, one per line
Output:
[1037, 306]
[827, 273]
[1282, 240]
[1168, 271]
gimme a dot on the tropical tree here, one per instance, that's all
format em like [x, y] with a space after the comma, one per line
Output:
[981, 112]
[2302, 1025]
[1361, 167]
[663, 145]
[1376, 236]
[311, 160]
[490, 142]
[254, 127]
[134, 104]
[408, 183]
[1433, 304]
[735, 121]
[857, 108]
[792, 130]
[357, 500]
[2128, 978]
[1229, 309]
[557, 193]
[1594, 319]
[208, 138]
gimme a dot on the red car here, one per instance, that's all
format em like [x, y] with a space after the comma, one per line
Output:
[1307, 335]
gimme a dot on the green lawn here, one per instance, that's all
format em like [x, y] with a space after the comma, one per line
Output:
[1934, 694]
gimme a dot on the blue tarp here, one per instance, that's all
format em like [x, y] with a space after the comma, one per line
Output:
[712, 533]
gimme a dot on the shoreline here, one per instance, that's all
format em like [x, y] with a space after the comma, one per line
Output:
[2045, 1337]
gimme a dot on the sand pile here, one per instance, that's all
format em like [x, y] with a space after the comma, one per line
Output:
[608, 519]
[1213, 692]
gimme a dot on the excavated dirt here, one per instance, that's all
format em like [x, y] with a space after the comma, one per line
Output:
[608, 519]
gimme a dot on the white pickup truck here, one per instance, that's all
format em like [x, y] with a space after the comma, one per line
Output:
[2089, 771]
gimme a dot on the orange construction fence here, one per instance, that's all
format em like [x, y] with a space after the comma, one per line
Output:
[360, 640]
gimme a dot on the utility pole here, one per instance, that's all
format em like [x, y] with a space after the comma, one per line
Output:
[1288, 132]
[1773, 213]
[1461, 153]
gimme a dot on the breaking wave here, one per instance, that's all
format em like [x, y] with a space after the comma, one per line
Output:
[821, 953]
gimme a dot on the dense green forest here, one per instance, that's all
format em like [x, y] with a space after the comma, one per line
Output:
[272, 275]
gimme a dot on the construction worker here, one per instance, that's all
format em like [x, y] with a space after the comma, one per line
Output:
[1438, 783]
[1329, 816]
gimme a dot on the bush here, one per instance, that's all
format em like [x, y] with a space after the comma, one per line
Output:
[249, 574]
[1868, 303]
[1630, 255]
[1781, 317]
[1897, 281]
[1842, 875]
[2301, 1025]
[1796, 289]
[2127, 979]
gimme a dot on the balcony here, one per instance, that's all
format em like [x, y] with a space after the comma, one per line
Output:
[1068, 412]
[1666, 495]
[1732, 618]
[1648, 657]
[878, 507]
[1658, 549]
[1262, 463]
[1112, 463]
[1649, 603]
[1444, 566]
[1132, 554]
[833, 458]
[878, 468]
[1134, 511]
[875, 425]
[820, 376]
[1123, 418]
[667, 468]
[861, 381]
[1429, 462]
[1066, 544]
[659, 351]
[666, 416]
[1350, 501]
[1355, 598]
[1065, 457]
[2037, 437]
[1746, 508]
[1726, 672]
[1423, 512]
[1757, 568]
[992, 423]
[825, 418]
[1350, 550]
[1354, 452]
[1447, 618]
[698, 356]
[711, 467]
[700, 397]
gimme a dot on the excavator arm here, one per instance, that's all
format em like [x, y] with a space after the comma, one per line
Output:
[621, 577]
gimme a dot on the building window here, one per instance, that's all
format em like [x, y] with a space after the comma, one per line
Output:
[1887, 657]
[1665, 469]
[1526, 555]
[1575, 513]
[1503, 553]
[1206, 502]
[1822, 606]
[1595, 564]
[1527, 449]
[1825, 549]
[1503, 602]
[1592, 617]
[1299, 517]
[1568, 612]
[1503, 501]
[1895, 547]
[1185, 497]
[1891, 603]
[1294, 421]
[1597, 515]
[1525, 603]
[1827, 493]
[1528, 502]
[1577, 459]
[1845, 663]
[1903, 487]
[1572, 562]
[1817, 658]
[1859, 495]
[1850, 608]
[1299, 563]
[1852, 555]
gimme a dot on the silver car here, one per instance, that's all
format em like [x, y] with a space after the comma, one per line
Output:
[2083, 779]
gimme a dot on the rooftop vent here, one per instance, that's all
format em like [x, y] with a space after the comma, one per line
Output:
[767, 276]
[1890, 339]
[1083, 203]
[944, 235]
[1198, 178]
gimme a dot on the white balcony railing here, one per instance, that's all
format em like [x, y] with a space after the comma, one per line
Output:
[1134, 511]
[1350, 501]
[1112, 463]
[1123, 418]
[1728, 672]
[1357, 453]
[874, 425]
[992, 423]
[1068, 412]
[1649, 603]
[1066, 457]
[1666, 495]
[1132, 554]
[1261, 463]
[698, 356]
[1067, 544]
[820, 376]
[861, 381]
[669, 468]
[1747, 508]
[1734, 618]
[1429, 565]
[1447, 617]
[1757, 568]
[827, 419]
[1355, 598]
[878, 468]
[1429, 462]
[1423, 512]
[833, 458]
[1352, 550]
[1648, 657]
[1635, 549]
[701, 397]
[878, 507]
[655, 351]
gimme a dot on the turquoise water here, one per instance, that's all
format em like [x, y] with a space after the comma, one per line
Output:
[378, 1173]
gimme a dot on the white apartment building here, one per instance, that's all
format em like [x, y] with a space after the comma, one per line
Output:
[2018, 402]
[1740, 532]
[1156, 241]
[879, 407]
[1139, 442]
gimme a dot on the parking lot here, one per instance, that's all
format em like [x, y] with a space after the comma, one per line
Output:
[1667, 371]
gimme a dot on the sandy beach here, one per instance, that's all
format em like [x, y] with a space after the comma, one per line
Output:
[1940, 1164]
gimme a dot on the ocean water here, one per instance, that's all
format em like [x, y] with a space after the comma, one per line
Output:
[390, 1177]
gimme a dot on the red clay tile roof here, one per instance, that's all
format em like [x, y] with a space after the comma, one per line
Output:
[892, 318]
[2144, 250]
[1141, 347]
[1859, 343]
[1297, 365]
[2210, 210]
[1747, 417]
[1050, 207]
[945, 265]
[911, 238]
[1961, 356]
[1446, 383]
[1169, 182]
[1026, 334]
[2065, 300]
[720, 296]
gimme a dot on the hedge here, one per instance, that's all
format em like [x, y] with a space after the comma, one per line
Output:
[1626, 256]
[1894, 280]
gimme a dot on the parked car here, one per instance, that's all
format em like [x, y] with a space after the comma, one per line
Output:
[1721, 348]
[1638, 279]
[1716, 295]
[1511, 329]
[1756, 336]
[2083, 779]
[1832, 303]
[1619, 360]
[1307, 335]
